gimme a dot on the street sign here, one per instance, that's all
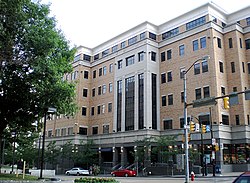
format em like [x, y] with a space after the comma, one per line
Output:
[206, 158]
[197, 127]
[213, 141]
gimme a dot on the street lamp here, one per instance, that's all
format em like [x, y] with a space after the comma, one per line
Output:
[185, 115]
[13, 134]
[49, 110]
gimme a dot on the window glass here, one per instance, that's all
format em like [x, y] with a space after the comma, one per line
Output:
[167, 124]
[198, 93]
[130, 60]
[203, 42]
[170, 33]
[170, 76]
[170, 99]
[195, 45]
[141, 56]
[163, 78]
[163, 101]
[163, 57]
[197, 68]
[196, 23]
[153, 56]
[181, 50]
[169, 54]
[206, 92]
[204, 66]
[152, 35]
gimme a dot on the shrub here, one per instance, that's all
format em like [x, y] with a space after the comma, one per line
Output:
[95, 180]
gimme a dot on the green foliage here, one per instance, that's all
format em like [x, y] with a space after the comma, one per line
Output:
[95, 180]
[51, 154]
[85, 154]
[163, 144]
[33, 60]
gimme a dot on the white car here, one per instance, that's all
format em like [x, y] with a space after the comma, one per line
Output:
[77, 171]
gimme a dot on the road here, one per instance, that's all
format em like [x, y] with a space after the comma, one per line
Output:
[222, 179]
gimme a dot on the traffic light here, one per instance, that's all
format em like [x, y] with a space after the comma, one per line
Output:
[216, 147]
[183, 138]
[189, 137]
[204, 129]
[226, 102]
[192, 126]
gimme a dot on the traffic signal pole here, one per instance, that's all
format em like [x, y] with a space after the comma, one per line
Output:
[213, 147]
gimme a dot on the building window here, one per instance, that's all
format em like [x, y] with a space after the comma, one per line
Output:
[230, 43]
[142, 35]
[50, 133]
[163, 57]
[83, 130]
[132, 40]
[198, 93]
[206, 92]
[94, 74]
[234, 89]
[99, 90]
[96, 57]
[119, 64]
[100, 72]
[152, 35]
[105, 53]
[114, 48]
[86, 75]
[98, 109]
[170, 33]
[92, 111]
[93, 92]
[248, 119]
[195, 45]
[223, 91]
[163, 78]
[248, 20]
[103, 108]
[182, 72]
[167, 124]
[240, 43]
[169, 54]
[140, 56]
[123, 44]
[221, 67]
[248, 67]
[154, 100]
[85, 92]
[109, 107]
[182, 97]
[110, 68]
[153, 56]
[225, 119]
[170, 99]
[204, 66]
[163, 101]
[204, 119]
[84, 111]
[57, 132]
[243, 67]
[63, 132]
[103, 89]
[170, 76]
[110, 87]
[197, 68]
[105, 129]
[130, 60]
[237, 119]
[219, 42]
[95, 130]
[182, 122]
[203, 42]
[247, 44]
[129, 103]
[104, 70]
[196, 23]
[140, 107]
[181, 50]
[119, 105]
[86, 57]
[214, 19]
[232, 67]
[223, 24]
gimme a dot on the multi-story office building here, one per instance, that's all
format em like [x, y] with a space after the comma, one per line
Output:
[131, 86]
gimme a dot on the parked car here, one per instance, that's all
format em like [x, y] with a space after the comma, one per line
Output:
[77, 171]
[123, 172]
[243, 178]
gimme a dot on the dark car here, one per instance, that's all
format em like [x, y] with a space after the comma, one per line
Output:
[123, 173]
[243, 178]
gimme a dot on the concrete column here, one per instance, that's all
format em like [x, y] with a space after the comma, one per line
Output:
[100, 156]
[115, 156]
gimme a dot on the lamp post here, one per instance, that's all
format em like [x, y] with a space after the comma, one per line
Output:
[185, 117]
[14, 133]
[49, 110]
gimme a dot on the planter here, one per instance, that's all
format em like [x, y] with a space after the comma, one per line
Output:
[95, 180]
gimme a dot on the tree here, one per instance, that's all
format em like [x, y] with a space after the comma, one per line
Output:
[162, 147]
[51, 154]
[34, 56]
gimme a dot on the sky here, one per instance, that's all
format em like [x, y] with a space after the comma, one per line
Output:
[89, 23]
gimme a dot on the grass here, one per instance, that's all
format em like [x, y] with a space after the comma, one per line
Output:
[20, 177]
